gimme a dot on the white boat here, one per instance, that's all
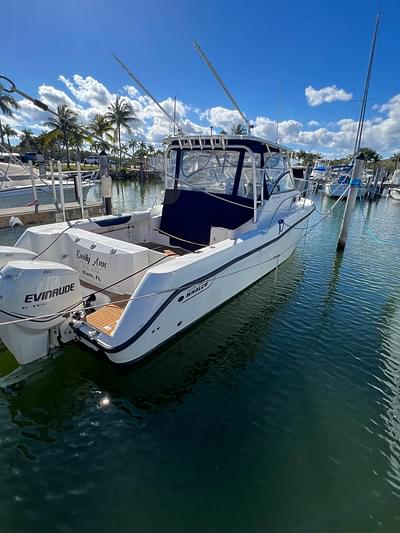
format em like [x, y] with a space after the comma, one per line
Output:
[124, 285]
[339, 186]
[394, 194]
[396, 177]
[20, 193]
[320, 172]
[16, 186]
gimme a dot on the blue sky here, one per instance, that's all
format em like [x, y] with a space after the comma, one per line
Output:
[268, 53]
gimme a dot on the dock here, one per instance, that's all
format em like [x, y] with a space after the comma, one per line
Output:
[48, 213]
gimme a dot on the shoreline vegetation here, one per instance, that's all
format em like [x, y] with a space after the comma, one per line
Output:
[68, 141]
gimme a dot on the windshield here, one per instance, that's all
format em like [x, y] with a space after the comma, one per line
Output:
[208, 170]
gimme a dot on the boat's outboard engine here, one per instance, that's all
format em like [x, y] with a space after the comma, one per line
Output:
[13, 253]
[45, 293]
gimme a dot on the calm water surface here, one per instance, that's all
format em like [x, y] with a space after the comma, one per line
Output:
[279, 412]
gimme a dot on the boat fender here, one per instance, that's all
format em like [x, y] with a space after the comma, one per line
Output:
[281, 225]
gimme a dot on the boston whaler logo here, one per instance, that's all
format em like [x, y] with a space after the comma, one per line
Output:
[46, 295]
[85, 258]
[196, 289]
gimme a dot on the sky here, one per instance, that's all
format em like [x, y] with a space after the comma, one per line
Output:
[300, 65]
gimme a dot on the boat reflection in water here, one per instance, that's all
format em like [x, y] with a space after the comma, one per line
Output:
[223, 344]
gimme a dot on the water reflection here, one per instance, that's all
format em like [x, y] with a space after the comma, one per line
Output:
[218, 348]
[390, 365]
[128, 195]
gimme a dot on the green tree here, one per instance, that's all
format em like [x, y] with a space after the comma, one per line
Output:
[64, 123]
[27, 140]
[9, 132]
[8, 105]
[132, 145]
[308, 158]
[101, 127]
[121, 115]
[371, 156]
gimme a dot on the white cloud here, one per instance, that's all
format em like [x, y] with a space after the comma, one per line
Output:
[131, 90]
[220, 117]
[89, 96]
[329, 94]
[88, 90]
[54, 97]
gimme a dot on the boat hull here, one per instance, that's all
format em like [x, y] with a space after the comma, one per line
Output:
[22, 196]
[337, 190]
[236, 269]
[395, 195]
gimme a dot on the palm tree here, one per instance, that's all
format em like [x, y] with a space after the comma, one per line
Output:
[132, 145]
[121, 115]
[77, 139]
[65, 123]
[239, 129]
[371, 156]
[7, 105]
[101, 127]
[27, 140]
[308, 158]
[9, 132]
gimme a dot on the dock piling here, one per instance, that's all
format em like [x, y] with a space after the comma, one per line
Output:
[34, 191]
[79, 187]
[106, 182]
[61, 182]
[53, 183]
[355, 182]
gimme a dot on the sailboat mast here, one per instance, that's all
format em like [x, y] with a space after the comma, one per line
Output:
[358, 159]
[357, 143]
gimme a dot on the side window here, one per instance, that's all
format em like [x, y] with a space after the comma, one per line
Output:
[284, 184]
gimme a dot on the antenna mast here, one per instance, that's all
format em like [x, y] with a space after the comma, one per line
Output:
[138, 82]
[357, 143]
[219, 80]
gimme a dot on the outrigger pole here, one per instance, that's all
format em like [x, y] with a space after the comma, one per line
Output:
[224, 87]
[138, 82]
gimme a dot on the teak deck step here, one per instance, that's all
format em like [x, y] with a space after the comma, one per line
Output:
[105, 319]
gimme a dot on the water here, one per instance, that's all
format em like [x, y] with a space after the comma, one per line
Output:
[278, 412]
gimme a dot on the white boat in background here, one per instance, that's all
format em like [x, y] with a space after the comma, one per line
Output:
[339, 186]
[396, 177]
[124, 285]
[394, 194]
[16, 186]
[320, 172]
[20, 193]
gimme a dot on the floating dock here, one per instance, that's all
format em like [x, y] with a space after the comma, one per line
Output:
[48, 213]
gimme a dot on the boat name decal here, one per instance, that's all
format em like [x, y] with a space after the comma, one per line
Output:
[196, 289]
[85, 257]
[45, 295]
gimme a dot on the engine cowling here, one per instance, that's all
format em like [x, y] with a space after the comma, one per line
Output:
[43, 292]
[13, 253]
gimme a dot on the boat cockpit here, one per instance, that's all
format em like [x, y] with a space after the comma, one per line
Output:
[219, 182]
